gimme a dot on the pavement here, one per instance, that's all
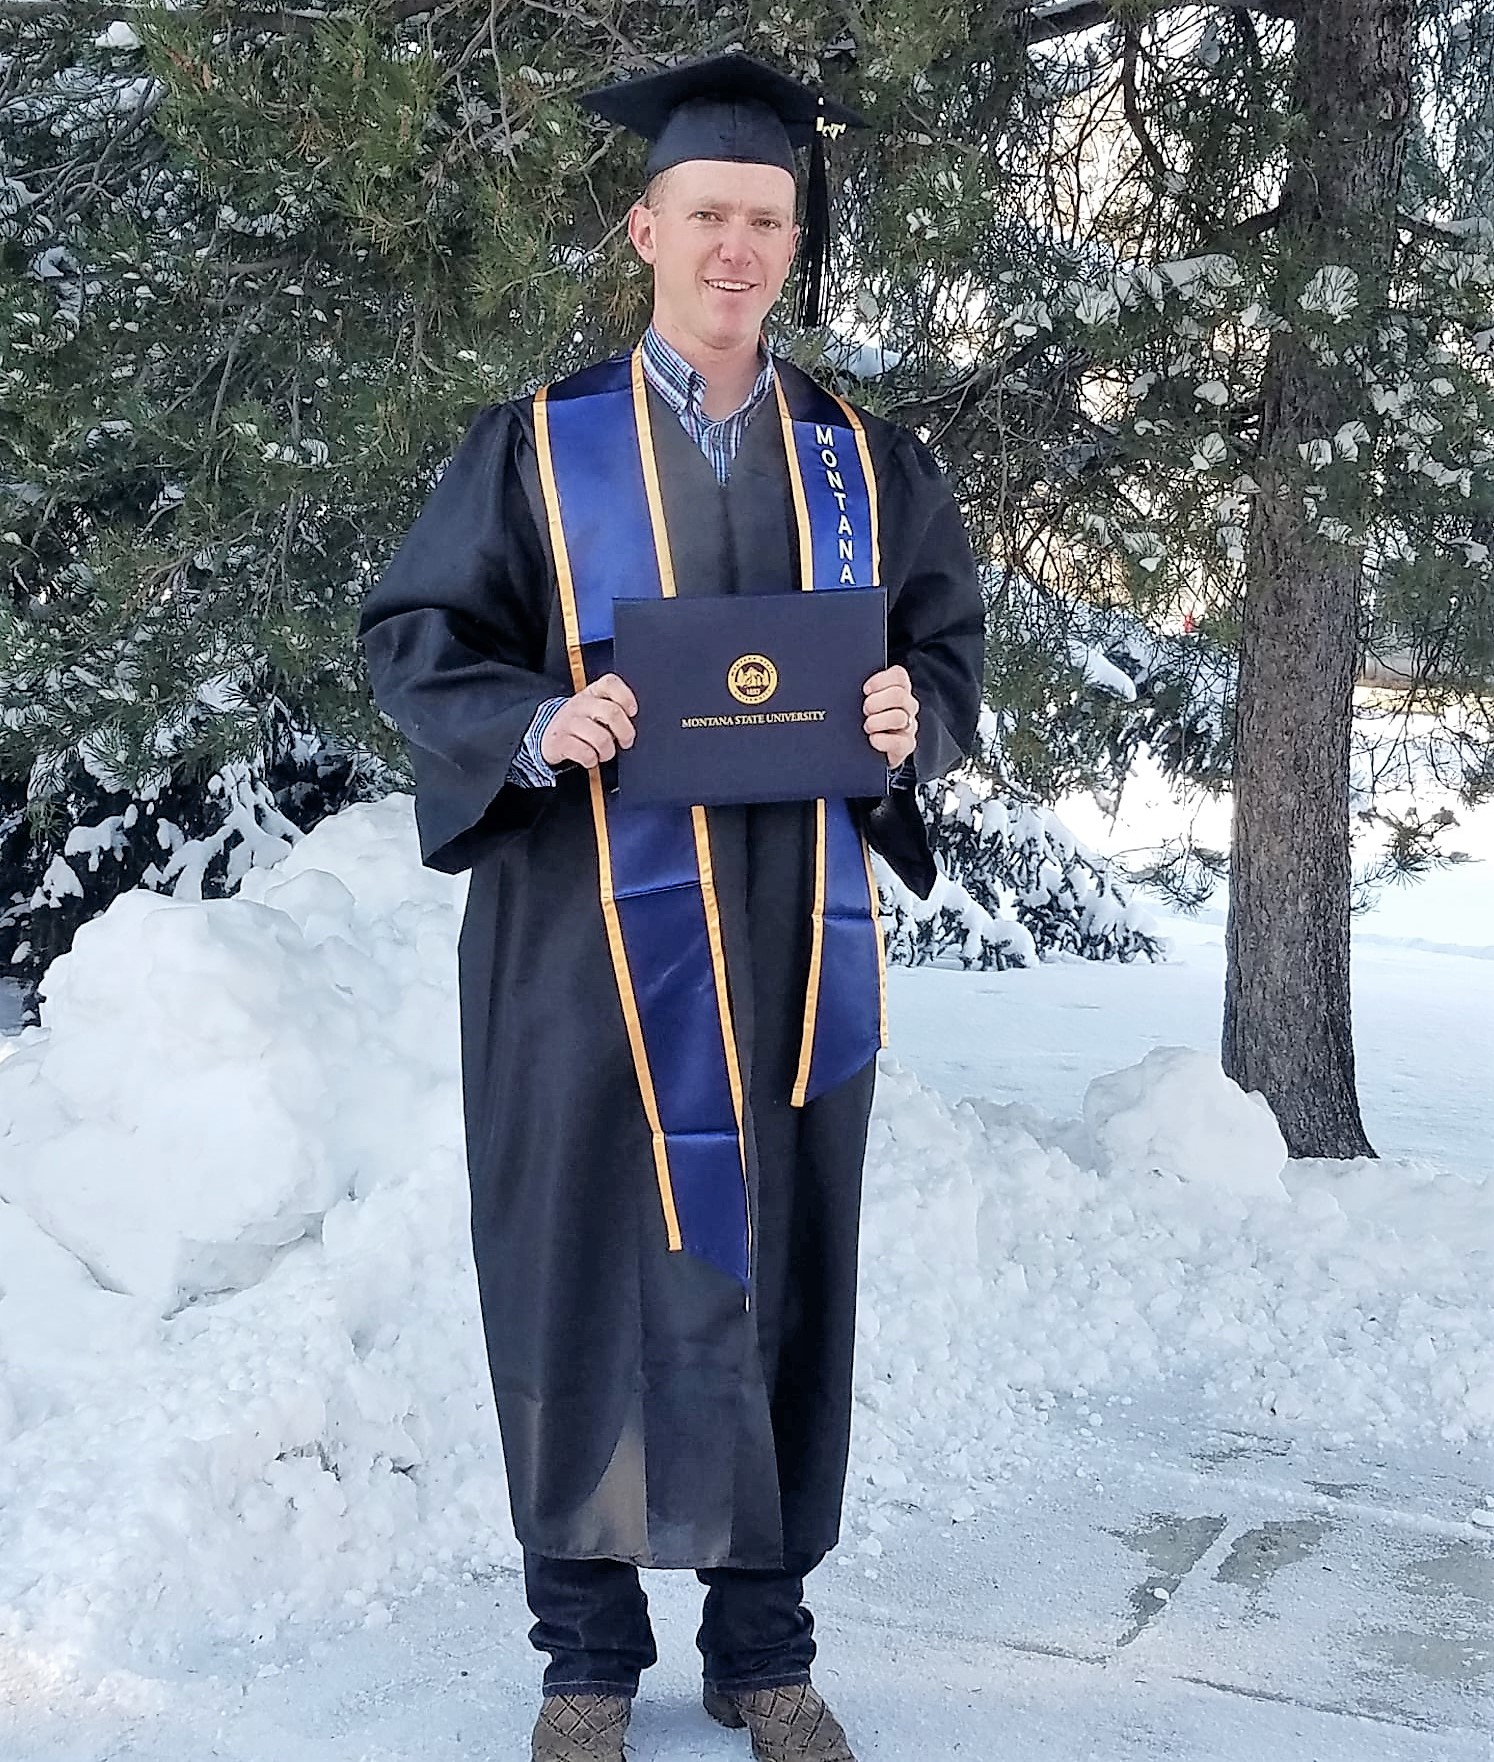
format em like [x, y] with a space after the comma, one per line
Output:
[1168, 1590]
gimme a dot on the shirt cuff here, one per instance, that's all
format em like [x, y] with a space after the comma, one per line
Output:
[902, 776]
[528, 769]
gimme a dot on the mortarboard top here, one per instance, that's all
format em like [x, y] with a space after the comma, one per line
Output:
[726, 107]
[732, 107]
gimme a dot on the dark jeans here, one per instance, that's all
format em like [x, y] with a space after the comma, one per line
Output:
[591, 1616]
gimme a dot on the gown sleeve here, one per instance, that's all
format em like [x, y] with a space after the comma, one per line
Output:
[936, 620]
[454, 636]
[936, 629]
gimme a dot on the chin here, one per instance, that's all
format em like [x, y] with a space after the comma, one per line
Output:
[746, 330]
[727, 335]
[731, 323]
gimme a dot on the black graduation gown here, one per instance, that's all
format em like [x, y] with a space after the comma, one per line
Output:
[646, 1414]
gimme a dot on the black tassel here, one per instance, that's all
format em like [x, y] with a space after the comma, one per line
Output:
[815, 245]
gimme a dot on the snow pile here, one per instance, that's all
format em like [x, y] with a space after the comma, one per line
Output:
[1177, 1114]
[241, 1368]
[242, 1376]
[1004, 1272]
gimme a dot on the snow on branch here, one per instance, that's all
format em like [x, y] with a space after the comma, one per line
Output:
[1015, 886]
[1066, 18]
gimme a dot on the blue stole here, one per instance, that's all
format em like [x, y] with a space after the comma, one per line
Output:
[605, 513]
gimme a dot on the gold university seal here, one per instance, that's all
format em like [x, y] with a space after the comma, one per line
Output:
[752, 679]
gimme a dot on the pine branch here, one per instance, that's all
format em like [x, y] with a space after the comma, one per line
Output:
[1434, 231]
[1067, 18]
[282, 21]
[1255, 226]
[945, 405]
[1214, 236]
[1150, 152]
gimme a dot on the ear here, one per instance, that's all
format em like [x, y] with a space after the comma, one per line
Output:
[794, 243]
[641, 231]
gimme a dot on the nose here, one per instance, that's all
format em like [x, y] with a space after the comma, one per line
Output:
[735, 243]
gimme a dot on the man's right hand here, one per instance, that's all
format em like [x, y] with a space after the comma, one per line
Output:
[591, 726]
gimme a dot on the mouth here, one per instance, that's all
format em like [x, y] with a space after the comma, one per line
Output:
[730, 287]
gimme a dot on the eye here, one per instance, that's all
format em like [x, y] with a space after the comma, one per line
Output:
[704, 214]
[767, 220]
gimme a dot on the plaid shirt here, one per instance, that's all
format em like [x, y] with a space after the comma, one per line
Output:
[683, 388]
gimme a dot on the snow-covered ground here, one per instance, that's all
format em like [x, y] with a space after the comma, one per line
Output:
[1164, 1446]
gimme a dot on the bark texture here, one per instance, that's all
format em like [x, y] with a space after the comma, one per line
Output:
[1287, 1020]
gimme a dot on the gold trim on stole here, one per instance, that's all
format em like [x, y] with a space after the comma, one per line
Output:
[817, 913]
[643, 423]
[796, 484]
[864, 451]
[567, 589]
[817, 910]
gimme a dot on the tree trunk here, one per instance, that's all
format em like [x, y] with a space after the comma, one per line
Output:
[1287, 1022]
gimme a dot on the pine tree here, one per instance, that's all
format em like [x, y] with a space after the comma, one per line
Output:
[258, 268]
[275, 264]
[1327, 368]
[1287, 1023]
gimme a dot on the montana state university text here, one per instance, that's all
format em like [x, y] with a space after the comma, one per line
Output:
[752, 717]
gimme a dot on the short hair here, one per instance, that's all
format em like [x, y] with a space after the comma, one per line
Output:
[654, 190]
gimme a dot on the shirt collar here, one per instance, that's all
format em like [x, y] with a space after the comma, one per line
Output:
[684, 386]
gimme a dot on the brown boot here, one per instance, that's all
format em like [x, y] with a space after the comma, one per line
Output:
[581, 1728]
[788, 1724]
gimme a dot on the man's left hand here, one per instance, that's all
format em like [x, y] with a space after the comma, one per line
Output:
[891, 713]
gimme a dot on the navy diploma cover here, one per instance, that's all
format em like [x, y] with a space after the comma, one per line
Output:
[752, 697]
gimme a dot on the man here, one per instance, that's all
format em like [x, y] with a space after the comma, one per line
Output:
[670, 1019]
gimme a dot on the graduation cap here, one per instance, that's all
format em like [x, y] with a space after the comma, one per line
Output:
[732, 107]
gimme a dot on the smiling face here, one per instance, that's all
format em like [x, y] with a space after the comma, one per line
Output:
[720, 237]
